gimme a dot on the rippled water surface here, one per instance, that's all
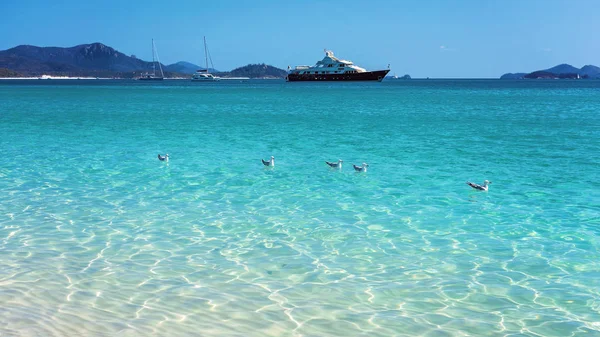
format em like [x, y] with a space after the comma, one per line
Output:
[99, 238]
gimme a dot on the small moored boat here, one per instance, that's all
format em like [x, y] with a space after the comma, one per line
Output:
[153, 77]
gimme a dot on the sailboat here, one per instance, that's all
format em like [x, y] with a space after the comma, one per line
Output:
[153, 77]
[203, 75]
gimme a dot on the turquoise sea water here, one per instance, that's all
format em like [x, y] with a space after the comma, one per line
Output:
[99, 238]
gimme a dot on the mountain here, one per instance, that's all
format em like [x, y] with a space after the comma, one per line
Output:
[560, 71]
[99, 60]
[256, 71]
[95, 59]
[591, 71]
[563, 69]
[183, 67]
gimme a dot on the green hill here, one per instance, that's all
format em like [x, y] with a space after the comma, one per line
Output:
[9, 73]
[256, 71]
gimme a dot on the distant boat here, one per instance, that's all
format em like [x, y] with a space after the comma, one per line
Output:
[153, 77]
[330, 68]
[203, 75]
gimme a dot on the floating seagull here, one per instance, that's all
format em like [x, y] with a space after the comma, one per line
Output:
[270, 162]
[362, 168]
[163, 158]
[337, 165]
[483, 187]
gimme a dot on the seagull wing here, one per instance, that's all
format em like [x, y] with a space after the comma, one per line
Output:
[332, 164]
[358, 168]
[475, 186]
[266, 163]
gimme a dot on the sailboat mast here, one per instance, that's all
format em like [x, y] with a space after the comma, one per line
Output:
[158, 61]
[205, 55]
[153, 62]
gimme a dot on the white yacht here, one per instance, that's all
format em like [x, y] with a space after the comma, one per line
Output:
[203, 75]
[330, 68]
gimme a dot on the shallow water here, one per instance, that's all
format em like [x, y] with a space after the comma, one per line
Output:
[99, 238]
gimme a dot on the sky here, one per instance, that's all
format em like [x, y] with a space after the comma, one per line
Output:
[423, 38]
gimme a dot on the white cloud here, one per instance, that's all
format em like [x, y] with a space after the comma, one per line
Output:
[446, 48]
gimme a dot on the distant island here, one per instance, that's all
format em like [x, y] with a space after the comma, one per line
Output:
[99, 60]
[561, 71]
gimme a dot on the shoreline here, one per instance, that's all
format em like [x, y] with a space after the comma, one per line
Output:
[46, 77]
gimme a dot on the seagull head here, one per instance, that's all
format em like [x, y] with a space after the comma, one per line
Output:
[365, 165]
[340, 161]
[486, 182]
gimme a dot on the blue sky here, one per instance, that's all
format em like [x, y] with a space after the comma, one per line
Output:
[424, 38]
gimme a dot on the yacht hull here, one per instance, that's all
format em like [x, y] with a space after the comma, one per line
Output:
[377, 75]
[150, 79]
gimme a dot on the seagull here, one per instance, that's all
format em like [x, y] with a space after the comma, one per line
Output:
[337, 165]
[270, 162]
[483, 187]
[362, 168]
[163, 158]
